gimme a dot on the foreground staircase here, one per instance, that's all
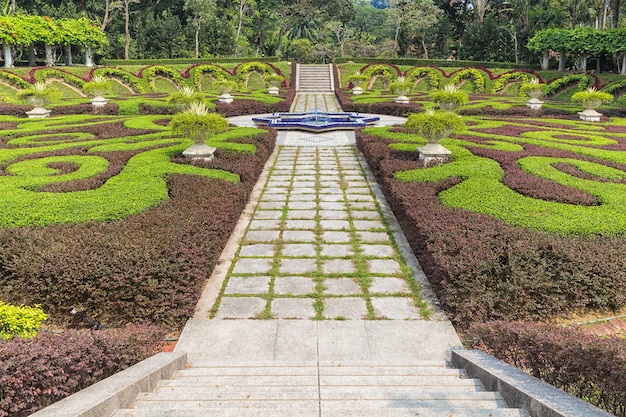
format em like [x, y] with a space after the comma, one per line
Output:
[428, 389]
[314, 79]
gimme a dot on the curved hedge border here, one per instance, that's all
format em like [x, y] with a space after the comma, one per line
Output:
[141, 183]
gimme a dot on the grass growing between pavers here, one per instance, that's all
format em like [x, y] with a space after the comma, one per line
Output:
[320, 267]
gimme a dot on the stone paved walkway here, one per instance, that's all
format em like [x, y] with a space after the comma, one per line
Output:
[317, 247]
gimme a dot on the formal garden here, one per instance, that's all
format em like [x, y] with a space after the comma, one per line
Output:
[108, 233]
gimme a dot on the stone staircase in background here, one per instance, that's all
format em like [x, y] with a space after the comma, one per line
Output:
[314, 79]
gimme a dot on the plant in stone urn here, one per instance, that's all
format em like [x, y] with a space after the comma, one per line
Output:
[591, 99]
[225, 87]
[357, 79]
[533, 89]
[181, 100]
[450, 97]
[274, 81]
[98, 87]
[434, 126]
[402, 87]
[198, 124]
[38, 96]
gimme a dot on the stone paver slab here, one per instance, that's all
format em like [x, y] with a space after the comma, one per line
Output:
[302, 205]
[299, 235]
[373, 236]
[259, 249]
[388, 285]
[335, 224]
[332, 205]
[299, 249]
[342, 286]
[293, 286]
[248, 285]
[383, 266]
[262, 235]
[298, 266]
[293, 308]
[268, 214]
[346, 307]
[336, 251]
[381, 251]
[264, 224]
[367, 224]
[300, 224]
[338, 266]
[252, 266]
[336, 237]
[396, 308]
[333, 214]
[240, 307]
[365, 214]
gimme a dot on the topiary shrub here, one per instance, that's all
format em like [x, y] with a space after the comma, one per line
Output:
[197, 124]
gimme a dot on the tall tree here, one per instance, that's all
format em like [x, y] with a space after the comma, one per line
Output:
[199, 10]
[126, 7]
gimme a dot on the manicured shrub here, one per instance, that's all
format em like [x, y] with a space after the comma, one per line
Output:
[587, 366]
[23, 321]
[37, 372]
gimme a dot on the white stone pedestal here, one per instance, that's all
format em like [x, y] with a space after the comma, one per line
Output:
[38, 113]
[433, 154]
[99, 101]
[225, 98]
[200, 151]
[273, 90]
[402, 99]
[589, 115]
[534, 103]
[357, 91]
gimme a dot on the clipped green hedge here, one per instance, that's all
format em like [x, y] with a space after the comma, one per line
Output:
[23, 321]
[190, 61]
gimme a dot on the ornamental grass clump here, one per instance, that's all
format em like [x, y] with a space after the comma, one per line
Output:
[98, 86]
[274, 80]
[434, 125]
[533, 88]
[591, 98]
[183, 99]
[450, 97]
[39, 94]
[400, 86]
[198, 124]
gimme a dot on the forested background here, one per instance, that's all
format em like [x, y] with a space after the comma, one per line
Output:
[321, 30]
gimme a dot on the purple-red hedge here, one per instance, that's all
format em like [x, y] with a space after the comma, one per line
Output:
[37, 372]
[587, 366]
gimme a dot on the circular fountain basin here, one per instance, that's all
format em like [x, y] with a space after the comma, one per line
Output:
[315, 121]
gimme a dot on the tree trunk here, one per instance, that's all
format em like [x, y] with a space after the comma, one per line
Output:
[88, 60]
[281, 35]
[8, 55]
[623, 72]
[127, 29]
[68, 55]
[241, 12]
[424, 46]
[561, 61]
[32, 55]
[545, 60]
[197, 39]
[49, 56]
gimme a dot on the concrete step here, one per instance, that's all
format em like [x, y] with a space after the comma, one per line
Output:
[295, 410]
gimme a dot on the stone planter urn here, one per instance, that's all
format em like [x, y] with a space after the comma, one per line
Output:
[38, 111]
[591, 99]
[434, 126]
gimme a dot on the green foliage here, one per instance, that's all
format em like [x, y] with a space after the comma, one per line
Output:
[505, 79]
[380, 70]
[592, 98]
[301, 50]
[181, 100]
[124, 76]
[45, 74]
[38, 94]
[13, 79]
[216, 72]
[357, 78]
[533, 88]
[470, 74]
[98, 86]
[434, 125]
[431, 74]
[449, 97]
[23, 321]
[274, 79]
[555, 86]
[225, 86]
[244, 69]
[198, 124]
[151, 73]
[400, 86]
